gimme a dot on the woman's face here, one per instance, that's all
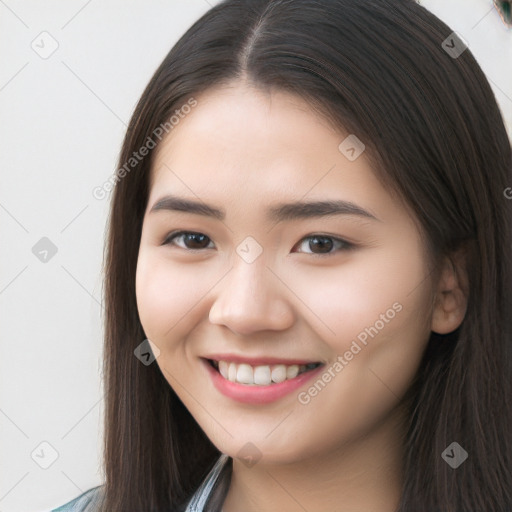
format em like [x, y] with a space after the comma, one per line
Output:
[268, 287]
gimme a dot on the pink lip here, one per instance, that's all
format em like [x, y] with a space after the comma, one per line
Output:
[255, 361]
[257, 394]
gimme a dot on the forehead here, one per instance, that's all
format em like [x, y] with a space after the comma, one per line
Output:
[247, 127]
[245, 147]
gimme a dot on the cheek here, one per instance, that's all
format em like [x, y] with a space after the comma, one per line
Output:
[164, 295]
[171, 294]
[377, 313]
[372, 297]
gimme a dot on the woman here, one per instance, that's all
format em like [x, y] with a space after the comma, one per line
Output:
[308, 271]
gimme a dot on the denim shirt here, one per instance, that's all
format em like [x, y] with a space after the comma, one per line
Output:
[90, 500]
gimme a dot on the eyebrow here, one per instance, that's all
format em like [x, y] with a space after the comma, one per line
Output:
[277, 213]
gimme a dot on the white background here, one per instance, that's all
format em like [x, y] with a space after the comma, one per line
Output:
[62, 123]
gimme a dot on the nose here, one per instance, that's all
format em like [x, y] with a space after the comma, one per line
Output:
[252, 298]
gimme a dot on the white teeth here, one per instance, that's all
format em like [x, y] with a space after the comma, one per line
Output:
[244, 374]
[223, 369]
[263, 375]
[279, 373]
[292, 371]
[232, 372]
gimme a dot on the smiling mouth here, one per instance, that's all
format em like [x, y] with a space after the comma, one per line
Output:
[260, 375]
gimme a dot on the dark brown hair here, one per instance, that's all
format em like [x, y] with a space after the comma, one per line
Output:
[435, 137]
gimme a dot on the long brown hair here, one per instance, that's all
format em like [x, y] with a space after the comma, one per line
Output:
[433, 131]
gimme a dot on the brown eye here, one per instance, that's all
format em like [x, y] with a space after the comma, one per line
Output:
[189, 239]
[322, 244]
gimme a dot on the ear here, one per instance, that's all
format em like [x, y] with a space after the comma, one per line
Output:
[451, 295]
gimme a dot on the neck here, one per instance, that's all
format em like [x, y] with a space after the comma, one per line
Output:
[364, 474]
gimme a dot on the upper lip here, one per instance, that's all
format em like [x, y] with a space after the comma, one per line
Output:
[254, 361]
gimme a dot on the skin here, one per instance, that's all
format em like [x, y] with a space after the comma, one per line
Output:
[243, 150]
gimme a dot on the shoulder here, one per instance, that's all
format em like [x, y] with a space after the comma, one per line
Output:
[89, 501]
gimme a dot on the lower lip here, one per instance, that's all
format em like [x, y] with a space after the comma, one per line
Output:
[258, 394]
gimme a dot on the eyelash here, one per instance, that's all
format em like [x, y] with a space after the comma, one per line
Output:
[346, 246]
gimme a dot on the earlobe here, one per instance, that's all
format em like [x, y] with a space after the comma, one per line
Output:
[450, 300]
